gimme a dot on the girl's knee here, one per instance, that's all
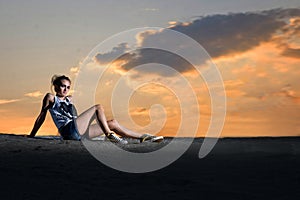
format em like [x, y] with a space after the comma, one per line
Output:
[99, 107]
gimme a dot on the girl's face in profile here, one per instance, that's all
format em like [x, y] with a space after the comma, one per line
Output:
[63, 89]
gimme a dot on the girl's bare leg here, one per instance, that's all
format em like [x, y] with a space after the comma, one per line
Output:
[121, 130]
[95, 131]
[84, 120]
[103, 126]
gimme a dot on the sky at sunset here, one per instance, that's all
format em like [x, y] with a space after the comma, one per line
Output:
[254, 44]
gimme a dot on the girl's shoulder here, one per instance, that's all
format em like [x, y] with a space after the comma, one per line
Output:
[48, 101]
[50, 97]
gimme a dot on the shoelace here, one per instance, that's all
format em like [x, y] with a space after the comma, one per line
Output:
[115, 137]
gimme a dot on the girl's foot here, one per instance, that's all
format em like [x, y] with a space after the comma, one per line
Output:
[151, 138]
[112, 136]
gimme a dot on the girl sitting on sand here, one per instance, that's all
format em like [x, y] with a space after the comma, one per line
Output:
[73, 127]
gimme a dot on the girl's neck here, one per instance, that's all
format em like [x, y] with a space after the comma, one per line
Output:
[61, 97]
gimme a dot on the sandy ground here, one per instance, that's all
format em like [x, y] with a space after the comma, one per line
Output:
[252, 168]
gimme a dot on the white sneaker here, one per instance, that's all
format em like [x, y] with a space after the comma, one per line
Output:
[116, 139]
[151, 138]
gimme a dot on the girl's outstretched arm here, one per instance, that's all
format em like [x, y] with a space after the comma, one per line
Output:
[47, 102]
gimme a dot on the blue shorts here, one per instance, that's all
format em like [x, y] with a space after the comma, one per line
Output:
[69, 131]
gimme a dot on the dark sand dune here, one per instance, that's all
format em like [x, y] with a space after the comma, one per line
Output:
[241, 168]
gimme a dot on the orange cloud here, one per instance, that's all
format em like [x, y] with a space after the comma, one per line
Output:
[7, 101]
[172, 23]
[34, 94]
[141, 36]
[74, 70]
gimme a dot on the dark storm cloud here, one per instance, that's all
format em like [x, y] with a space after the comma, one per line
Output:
[281, 14]
[148, 55]
[220, 35]
[144, 56]
[224, 34]
[233, 33]
[109, 56]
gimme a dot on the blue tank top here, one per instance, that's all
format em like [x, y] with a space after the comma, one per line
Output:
[62, 112]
